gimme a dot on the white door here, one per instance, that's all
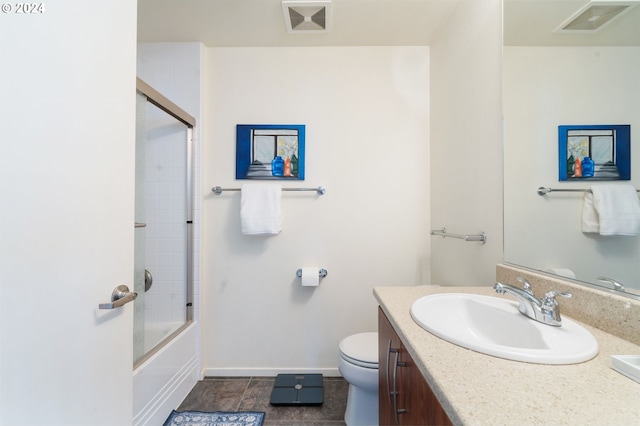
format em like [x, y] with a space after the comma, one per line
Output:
[67, 132]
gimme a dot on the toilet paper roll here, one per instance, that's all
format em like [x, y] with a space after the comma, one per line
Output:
[310, 276]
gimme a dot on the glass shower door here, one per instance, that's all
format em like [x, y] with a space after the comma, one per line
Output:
[161, 234]
[139, 232]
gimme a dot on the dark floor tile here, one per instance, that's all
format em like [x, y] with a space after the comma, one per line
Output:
[258, 397]
[334, 405]
[254, 394]
[216, 395]
[267, 422]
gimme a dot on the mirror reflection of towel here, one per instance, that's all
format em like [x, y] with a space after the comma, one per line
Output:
[611, 209]
[260, 210]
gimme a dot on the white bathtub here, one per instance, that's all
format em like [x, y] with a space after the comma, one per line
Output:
[162, 382]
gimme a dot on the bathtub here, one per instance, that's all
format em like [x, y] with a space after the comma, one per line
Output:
[162, 382]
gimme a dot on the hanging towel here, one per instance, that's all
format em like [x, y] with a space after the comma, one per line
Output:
[611, 209]
[590, 220]
[260, 210]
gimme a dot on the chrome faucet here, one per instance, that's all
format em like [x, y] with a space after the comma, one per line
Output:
[546, 310]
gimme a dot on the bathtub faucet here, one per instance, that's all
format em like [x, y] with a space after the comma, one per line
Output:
[545, 310]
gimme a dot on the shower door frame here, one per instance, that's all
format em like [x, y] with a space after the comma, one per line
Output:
[159, 100]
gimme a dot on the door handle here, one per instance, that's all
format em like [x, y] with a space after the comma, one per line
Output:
[389, 349]
[393, 394]
[397, 364]
[119, 297]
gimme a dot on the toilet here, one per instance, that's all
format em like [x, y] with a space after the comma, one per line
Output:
[358, 365]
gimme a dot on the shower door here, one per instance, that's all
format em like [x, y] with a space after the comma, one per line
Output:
[162, 265]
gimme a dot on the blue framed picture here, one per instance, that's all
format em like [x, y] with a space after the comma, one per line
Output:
[594, 152]
[270, 151]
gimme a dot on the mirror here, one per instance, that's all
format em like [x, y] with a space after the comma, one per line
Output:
[550, 79]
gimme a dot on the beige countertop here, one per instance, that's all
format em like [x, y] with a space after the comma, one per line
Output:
[478, 389]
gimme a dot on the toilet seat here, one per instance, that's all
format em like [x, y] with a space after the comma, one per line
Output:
[361, 349]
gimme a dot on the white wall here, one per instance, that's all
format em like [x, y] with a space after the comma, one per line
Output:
[466, 143]
[366, 113]
[545, 87]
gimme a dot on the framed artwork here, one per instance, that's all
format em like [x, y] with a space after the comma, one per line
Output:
[594, 152]
[270, 151]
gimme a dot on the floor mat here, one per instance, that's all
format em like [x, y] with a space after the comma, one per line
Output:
[217, 418]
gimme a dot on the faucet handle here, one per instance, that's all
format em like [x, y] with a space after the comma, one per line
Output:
[552, 294]
[526, 285]
[551, 308]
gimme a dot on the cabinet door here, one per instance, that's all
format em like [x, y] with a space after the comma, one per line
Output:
[418, 402]
[405, 398]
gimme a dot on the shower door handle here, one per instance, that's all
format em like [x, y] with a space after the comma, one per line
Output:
[148, 280]
[119, 297]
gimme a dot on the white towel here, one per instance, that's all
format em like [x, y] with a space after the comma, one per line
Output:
[590, 220]
[260, 210]
[611, 209]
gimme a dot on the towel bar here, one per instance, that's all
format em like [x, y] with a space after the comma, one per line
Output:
[320, 190]
[482, 237]
[542, 191]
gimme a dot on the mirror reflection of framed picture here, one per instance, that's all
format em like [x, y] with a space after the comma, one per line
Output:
[594, 152]
[270, 151]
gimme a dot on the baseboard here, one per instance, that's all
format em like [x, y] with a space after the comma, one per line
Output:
[268, 372]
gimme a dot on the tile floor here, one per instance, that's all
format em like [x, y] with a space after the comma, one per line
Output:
[254, 394]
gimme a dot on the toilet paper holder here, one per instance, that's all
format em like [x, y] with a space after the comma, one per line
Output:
[321, 273]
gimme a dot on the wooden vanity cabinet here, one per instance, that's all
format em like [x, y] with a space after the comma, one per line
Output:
[404, 396]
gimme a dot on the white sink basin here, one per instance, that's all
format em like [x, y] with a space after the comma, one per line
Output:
[495, 326]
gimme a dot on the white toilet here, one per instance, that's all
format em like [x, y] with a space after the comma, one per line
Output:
[358, 365]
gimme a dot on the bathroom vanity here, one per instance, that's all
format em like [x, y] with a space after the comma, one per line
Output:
[437, 382]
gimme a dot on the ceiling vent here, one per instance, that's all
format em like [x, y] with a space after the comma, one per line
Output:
[307, 16]
[595, 15]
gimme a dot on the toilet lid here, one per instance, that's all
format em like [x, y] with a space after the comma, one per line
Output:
[361, 348]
